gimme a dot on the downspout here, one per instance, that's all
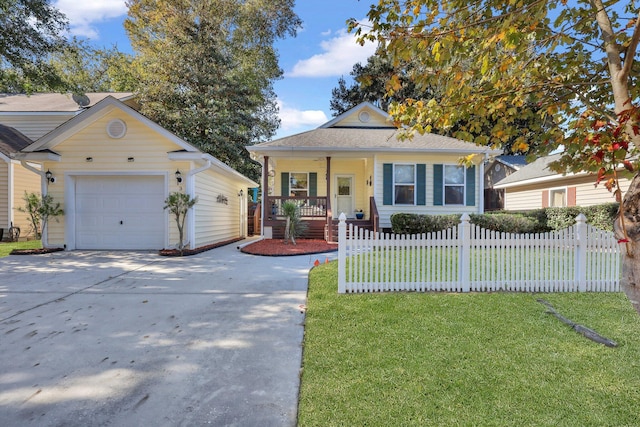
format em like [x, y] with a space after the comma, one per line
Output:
[191, 191]
[481, 198]
[43, 190]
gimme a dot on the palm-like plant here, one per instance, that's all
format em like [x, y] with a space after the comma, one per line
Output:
[178, 205]
[294, 227]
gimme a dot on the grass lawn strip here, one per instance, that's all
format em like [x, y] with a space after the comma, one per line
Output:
[466, 359]
[7, 247]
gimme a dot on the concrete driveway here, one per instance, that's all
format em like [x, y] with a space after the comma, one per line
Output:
[133, 339]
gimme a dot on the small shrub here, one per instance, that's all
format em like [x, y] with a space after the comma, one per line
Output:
[178, 205]
[404, 223]
[561, 218]
[602, 216]
[506, 223]
[537, 216]
[40, 209]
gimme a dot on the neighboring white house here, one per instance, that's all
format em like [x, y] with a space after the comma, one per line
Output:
[535, 186]
[112, 168]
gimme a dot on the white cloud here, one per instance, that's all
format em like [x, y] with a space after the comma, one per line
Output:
[84, 14]
[339, 55]
[292, 119]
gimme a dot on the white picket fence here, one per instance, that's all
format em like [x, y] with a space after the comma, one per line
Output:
[469, 258]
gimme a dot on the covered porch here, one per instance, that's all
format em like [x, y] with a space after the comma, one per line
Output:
[322, 188]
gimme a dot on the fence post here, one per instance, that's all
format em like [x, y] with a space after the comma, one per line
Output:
[342, 254]
[464, 259]
[581, 252]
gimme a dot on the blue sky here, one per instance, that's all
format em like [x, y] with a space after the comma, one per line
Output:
[312, 62]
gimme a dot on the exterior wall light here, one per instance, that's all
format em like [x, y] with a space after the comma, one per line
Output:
[49, 175]
[178, 177]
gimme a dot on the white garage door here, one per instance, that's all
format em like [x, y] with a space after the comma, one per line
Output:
[120, 212]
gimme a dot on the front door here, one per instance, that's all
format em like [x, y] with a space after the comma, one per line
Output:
[344, 196]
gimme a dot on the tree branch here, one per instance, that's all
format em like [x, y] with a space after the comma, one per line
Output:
[631, 50]
[586, 332]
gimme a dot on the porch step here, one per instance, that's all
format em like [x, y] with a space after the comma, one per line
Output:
[360, 223]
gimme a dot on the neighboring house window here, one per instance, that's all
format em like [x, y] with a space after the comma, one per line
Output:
[558, 197]
[404, 181]
[454, 185]
[298, 184]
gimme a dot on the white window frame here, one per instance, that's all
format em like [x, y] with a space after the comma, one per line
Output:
[415, 183]
[553, 190]
[298, 189]
[445, 185]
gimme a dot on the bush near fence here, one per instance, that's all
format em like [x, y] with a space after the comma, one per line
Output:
[533, 221]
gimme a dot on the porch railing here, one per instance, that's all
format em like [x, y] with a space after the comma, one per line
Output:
[310, 207]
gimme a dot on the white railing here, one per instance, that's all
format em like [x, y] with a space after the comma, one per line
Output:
[469, 258]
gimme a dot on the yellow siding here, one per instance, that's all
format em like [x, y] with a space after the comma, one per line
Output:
[216, 221]
[353, 120]
[23, 180]
[360, 169]
[148, 149]
[302, 165]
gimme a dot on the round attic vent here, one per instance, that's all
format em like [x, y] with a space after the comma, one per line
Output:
[364, 116]
[116, 128]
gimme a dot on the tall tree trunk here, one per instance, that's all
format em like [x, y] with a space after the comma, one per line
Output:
[630, 214]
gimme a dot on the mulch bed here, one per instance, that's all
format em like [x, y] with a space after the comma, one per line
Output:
[39, 251]
[187, 252]
[277, 247]
[265, 247]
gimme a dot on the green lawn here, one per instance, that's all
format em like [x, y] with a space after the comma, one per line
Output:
[6, 248]
[491, 359]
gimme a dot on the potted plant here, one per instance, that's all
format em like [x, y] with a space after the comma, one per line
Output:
[359, 214]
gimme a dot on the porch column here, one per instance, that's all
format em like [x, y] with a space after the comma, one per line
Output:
[329, 218]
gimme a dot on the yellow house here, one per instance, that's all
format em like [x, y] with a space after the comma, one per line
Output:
[15, 180]
[357, 164]
[112, 168]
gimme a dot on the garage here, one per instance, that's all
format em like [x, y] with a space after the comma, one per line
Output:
[120, 212]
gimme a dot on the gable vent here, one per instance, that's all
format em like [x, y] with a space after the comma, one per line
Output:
[116, 128]
[364, 117]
